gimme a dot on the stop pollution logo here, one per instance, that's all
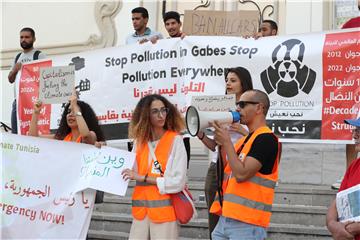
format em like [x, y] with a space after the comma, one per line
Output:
[288, 75]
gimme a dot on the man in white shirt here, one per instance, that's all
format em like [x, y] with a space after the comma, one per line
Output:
[29, 53]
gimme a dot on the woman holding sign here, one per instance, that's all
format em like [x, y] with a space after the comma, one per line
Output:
[238, 80]
[160, 167]
[78, 123]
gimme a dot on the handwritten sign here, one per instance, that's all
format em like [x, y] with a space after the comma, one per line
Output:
[220, 23]
[217, 103]
[101, 166]
[56, 84]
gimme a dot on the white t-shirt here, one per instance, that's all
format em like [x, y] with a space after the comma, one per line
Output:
[174, 178]
[24, 58]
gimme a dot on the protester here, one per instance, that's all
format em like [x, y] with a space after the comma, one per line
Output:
[173, 24]
[29, 53]
[238, 80]
[250, 174]
[350, 229]
[140, 18]
[78, 123]
[353, 22]
[351, 154]
[267, 28]
[155, 125]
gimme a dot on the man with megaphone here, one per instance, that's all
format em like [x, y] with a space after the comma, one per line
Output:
[245, 199]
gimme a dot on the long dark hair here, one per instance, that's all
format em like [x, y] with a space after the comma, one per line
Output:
[89, 117]
[140, 126]
[244, 76]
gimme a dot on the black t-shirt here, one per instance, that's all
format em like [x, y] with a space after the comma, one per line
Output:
[264, 149]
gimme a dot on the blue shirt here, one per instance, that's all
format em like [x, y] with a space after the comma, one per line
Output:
[134, 37]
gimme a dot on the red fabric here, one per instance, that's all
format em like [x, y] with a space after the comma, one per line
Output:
[352, 23]
[352, 178]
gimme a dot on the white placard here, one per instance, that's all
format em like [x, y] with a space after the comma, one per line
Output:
[214, 103]
[56, 84]
[100, 167]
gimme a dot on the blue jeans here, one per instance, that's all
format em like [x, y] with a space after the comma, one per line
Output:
[230, 229]
[13, 118]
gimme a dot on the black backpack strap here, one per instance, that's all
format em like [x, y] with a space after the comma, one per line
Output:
[36, 55]
[17, 57]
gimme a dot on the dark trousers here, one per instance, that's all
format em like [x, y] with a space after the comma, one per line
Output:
[210, 192]
[13, 118]
[187, 147]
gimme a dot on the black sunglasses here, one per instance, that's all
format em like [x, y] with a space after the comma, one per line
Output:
[242, 104]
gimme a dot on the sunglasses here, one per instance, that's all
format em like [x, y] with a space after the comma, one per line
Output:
[242, 104]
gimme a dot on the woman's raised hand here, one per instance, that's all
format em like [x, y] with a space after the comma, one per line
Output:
[37, 106]
[73, 101]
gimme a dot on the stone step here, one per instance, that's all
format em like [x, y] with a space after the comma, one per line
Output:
[93, 234]
[282, 213]
[292, 194]
[116, 226]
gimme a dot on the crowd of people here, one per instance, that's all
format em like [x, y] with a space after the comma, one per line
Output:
[243, 173]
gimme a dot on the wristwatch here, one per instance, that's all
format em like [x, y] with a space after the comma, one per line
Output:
[78, 114]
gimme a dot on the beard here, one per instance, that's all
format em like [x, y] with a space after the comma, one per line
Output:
[25, 45]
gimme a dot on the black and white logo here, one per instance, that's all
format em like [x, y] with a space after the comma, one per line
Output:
[287, 75]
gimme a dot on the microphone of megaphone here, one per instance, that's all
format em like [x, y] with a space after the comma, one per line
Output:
[198, 120]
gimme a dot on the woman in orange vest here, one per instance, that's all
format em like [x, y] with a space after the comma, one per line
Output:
[160, 167]
[78, 123]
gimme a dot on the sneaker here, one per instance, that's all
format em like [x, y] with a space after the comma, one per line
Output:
[337, 184]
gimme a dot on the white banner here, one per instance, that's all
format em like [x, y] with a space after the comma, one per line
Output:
[312, 79]
[40, 180]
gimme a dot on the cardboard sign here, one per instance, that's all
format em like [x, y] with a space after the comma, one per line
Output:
[56, 84]
[220, 23]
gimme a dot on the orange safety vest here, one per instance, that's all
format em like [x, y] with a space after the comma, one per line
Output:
[250, 201]
[146, 199]
[69, 137]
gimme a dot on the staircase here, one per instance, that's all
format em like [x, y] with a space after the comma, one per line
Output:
[298, 213]
[299, 208]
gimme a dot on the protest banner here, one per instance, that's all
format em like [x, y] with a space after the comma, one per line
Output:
[45, 185]
[56, 84]
[220, 23]
[312, 79]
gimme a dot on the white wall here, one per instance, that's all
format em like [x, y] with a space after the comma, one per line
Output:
[302, 16]
[55, 23]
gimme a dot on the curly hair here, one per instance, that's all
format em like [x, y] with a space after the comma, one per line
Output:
[140, 125]
[89, 117]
